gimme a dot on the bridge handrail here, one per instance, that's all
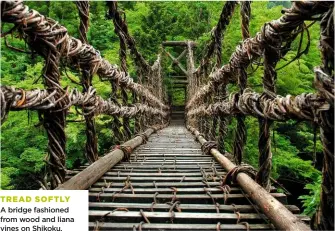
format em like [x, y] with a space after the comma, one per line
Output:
[52, 41]
[277, 213]
[210, 106]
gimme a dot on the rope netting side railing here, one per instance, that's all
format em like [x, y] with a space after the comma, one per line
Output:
[51, 40]
[149, 76]
[209, 126]
[270, 45]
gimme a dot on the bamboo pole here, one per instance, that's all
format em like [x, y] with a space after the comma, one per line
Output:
[277, 213]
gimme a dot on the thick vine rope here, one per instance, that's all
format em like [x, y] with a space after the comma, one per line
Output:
[123, 61]
[276, 32]
[241, 130]
[324, 218]
[306, 106]
[91, 146]
[76, 53]
[19, 99]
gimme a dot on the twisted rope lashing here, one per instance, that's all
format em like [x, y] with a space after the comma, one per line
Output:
[271, 57]
[140, 118]
[191, 78]
[190, 70]
[119, 25]
[75, 53]
[324, 81]
[84, 15]
[116, 125]
[227, 14]
[204, 119]
[223, 22]
[51, 49]
[245, 16]
[241, 131]
[141, 63]
[253, 48]
[41, 100]
[91, 145]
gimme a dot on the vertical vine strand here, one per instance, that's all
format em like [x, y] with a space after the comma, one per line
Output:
[51, 48]
[123, 60]
[221, 92]
[116, 125]
[91, 146]
[271, 57]
[325, 215]
[241, 130]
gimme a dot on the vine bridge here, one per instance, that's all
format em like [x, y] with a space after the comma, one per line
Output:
[170, 170]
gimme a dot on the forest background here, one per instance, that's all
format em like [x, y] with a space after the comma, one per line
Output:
[24, 140]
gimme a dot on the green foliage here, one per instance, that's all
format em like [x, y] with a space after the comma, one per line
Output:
[312, 200]
[24, 141]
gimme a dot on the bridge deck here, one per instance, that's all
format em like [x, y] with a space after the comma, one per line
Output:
[170, 183]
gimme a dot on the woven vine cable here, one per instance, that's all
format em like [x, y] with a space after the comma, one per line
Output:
[91, 146]
[123, 60]
[140, 99]
[324, 82]
[224, 19]
[158, 84]
[221, 93]
[190, 70]
[147, 72]
[271, 57]
[116, 125]
[89, 102]
[283, 30]
[306, 106]
[241, 131]
[157, 78]
[204, 100]
[51, 49]
[140, 62]
[218, 94]
[143, 67]
[136, 129]
[75, 53]
[212, 47]
[191, 77]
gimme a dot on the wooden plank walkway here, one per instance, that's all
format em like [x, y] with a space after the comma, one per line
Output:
[169, 184]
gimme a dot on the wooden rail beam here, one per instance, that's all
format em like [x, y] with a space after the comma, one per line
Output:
[178, 43]
[277, 213]
[95, 171]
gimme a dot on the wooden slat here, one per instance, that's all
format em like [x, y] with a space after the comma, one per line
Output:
[193, 207]
[162, 226]
[161, 184]
[165, 190]
[182, 215]
[238, 198]
[153, 174]
[162, 166]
